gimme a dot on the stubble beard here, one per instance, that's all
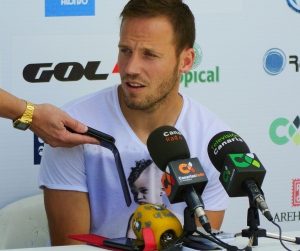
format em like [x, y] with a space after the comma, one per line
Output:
[152, 101]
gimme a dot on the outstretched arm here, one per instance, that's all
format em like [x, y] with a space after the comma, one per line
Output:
[48, 122]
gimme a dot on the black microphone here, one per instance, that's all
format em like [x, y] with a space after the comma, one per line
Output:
[184, 178]
[241, 172]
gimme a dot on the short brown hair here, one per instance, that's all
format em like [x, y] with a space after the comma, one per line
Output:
[177, 12]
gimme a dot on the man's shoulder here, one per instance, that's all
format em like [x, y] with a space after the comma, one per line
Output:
[200, 118]
[195, 108]
[90, 99]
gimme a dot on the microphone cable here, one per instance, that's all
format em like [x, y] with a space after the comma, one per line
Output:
[280, 239]
[217, 241]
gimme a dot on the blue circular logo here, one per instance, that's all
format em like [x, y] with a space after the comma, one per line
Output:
[294, 5]
[274, 61]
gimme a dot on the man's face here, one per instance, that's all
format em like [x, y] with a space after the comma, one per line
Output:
[147, 62]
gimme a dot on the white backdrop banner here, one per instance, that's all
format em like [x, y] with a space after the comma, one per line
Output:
[246, 71]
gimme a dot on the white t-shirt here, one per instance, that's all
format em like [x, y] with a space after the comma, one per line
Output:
[91, 168]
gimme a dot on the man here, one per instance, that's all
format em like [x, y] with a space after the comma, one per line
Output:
[155, 48]
[47, 121]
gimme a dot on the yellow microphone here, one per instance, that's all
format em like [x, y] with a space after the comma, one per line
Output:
[165, 225]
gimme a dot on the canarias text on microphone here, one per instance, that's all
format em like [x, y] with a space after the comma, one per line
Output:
[217, 147]
[169, 136]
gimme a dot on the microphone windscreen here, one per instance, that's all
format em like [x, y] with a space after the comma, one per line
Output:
[166, 222]
[224, 143]
[167, 144]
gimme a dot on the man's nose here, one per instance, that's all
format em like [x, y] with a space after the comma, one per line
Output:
[134, 65]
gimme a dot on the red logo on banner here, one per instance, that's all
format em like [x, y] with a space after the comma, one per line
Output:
[116, 69]
[296, 193]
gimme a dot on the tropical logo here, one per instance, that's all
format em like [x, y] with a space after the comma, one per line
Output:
[198, 56]
[244, 160]
[274, 61]
[202, 76]
[290, 129]
[294, 5]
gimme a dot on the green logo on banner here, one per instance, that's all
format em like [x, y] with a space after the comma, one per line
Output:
[198, 56]
[291, 131]
[244, 160]
[201, 76]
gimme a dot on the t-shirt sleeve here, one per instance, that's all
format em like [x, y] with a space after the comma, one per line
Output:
[63, 169]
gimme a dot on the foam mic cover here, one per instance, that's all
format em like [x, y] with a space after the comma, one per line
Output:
[159, 219]
[224, 143]
[166, 144]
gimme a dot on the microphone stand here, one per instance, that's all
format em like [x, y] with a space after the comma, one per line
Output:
[254, 232]
[253, 222]
[189, 228]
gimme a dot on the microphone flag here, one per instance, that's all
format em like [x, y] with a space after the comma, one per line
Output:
[182, 173]
[237, 168]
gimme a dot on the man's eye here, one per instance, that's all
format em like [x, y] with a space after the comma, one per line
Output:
[125, 51]
[150, 55]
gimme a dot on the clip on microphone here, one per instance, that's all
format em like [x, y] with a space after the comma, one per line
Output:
[108, 142]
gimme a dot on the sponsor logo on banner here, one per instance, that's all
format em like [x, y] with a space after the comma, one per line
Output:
[289, 127]
[287, 216]
[55, 8]
[296, 193]
[195, 76]
[294, 4]
[38, 149]
[68, 71]
[293, 215]
[274, 61]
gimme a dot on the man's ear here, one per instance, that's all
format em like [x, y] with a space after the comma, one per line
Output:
[187, 58]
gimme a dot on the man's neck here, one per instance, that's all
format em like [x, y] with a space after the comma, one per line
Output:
[144, 122]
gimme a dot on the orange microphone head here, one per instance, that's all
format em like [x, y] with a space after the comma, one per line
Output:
[159, 219]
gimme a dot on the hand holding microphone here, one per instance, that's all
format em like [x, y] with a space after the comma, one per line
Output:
[184, 178]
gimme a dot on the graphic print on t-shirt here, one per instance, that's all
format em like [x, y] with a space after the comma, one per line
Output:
[145, 184]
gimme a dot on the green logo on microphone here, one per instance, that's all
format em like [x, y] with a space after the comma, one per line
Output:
[226, 174]
[244, 160]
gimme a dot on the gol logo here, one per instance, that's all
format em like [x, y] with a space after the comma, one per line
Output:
[67, 71]
[167, 180]
[296, 193]
[186, 168]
